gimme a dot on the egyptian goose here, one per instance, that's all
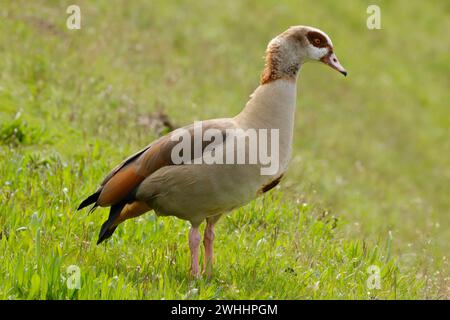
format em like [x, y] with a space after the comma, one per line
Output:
[152, 180]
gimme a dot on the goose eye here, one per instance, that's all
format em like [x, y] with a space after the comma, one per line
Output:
[317, 41]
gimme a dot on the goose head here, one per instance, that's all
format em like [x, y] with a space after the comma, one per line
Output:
[297, 45]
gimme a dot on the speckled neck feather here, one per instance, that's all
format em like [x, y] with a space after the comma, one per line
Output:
[275, 68]
[282, 59]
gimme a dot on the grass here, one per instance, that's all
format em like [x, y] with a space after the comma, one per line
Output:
[368, 184]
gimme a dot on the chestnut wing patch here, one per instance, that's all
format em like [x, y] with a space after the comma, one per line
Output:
[120, 183]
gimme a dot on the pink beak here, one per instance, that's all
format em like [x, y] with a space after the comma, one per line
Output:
[331, 60]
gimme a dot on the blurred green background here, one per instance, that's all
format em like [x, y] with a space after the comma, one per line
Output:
[371, 157]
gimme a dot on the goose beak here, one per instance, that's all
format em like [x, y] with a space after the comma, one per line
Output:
[331, 60]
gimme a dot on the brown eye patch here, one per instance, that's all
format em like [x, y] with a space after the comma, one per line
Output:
[317, 39]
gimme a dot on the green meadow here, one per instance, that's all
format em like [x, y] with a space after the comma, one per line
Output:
[367, 188]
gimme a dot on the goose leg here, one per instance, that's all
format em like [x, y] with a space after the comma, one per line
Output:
[194, 242]
[208, 240]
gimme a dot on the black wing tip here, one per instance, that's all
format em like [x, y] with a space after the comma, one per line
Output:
[93, 208]
[107, 228]
[81, 206]
[89, 200]
[105, 232]
[100, 240]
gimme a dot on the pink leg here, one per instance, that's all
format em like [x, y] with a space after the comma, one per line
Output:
[194, 242]
[208, 240]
